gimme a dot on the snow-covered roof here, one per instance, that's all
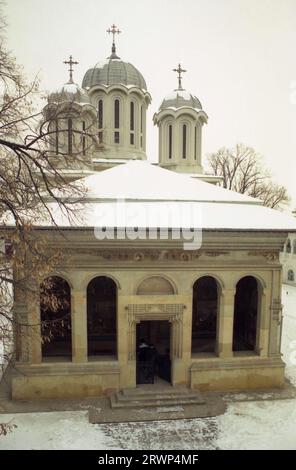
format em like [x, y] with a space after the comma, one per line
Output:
[141, 180]
[139, 194]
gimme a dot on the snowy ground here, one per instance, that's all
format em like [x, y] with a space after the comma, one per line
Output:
[255, 425]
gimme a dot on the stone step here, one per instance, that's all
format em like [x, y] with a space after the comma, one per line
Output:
[116, 401]
[157, 396]
[152, 390]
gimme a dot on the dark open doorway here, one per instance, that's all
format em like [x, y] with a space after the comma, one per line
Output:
[153, 351]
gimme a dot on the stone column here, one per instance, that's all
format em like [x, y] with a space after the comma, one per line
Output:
[34, 332]
[79, 325]
[275, 316]
[262, 324]
[225, 323]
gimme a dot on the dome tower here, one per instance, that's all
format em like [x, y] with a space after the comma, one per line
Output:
[180, 119]
[119, 93]
[72, 122]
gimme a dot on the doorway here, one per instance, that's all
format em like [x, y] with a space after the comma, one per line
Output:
[153, 352]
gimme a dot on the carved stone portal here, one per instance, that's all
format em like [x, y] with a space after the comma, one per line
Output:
[171, 312]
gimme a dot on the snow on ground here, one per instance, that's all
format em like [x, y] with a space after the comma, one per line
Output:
[254, 425]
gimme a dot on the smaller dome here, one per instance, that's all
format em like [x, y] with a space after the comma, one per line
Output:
[70, 92]
[180, 98]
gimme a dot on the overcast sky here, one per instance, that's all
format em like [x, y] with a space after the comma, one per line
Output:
[239, 56]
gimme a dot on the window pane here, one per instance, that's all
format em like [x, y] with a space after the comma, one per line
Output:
[184, 140]
[116, 114]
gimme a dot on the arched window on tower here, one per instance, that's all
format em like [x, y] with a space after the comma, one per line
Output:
[70, 136]
[195, 143]
[83, 138]
[100, 118]
[291, 276]
[56, 137]
[170, 140]
[184, 141]
[142, 118]
[132, 123]
[116, 121]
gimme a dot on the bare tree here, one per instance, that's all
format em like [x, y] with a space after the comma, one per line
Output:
[242, 170]
[29, 178]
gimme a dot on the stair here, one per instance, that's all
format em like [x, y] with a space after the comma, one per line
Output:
[155, 398]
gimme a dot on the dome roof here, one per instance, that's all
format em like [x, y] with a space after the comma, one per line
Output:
[180, 98]
[113, 71]
[70, 92]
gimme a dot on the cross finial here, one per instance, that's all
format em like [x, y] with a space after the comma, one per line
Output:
[179, 71]
[70, 62]
[113, 30]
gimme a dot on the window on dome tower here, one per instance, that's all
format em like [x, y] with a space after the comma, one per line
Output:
[116, 114]
[83, 139]
[195, 142]
[170, 140]
[116, 121]
[142, 117]
[57, 137]
[70, 136]
[132, 123]
[184, 141]
[100, 119]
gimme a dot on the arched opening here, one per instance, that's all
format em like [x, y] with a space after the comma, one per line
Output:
[101, 317]
[291, 276]
[116, 121]
[132, 123]
[56, 136]
[195, 142]
[70, 136]
[142, 125]
[288, 246]
[184, 141]
[245, 314]
[204, 315]
[55, 315]
[100, 119]
[170, 140]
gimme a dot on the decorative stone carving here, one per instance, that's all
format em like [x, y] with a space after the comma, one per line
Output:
[140, 256]
[276, 310]
[268, 255]
[171, 312]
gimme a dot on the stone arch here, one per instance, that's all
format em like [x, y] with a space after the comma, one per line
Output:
[156, 285]
[102, 316]
[205, 311]
[260, 281]
[218, 279]
[247, 304]
[89, 278]
[55, 317]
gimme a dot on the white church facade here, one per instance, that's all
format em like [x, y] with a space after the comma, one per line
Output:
[212, 310]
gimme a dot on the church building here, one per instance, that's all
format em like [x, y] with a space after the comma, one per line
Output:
[158, 253]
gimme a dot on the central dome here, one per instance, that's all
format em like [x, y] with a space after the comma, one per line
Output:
[113, 71]
[180, 98]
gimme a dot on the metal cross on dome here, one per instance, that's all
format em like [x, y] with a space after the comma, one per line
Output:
[113, 30]
[70, 62]
[179, 71]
